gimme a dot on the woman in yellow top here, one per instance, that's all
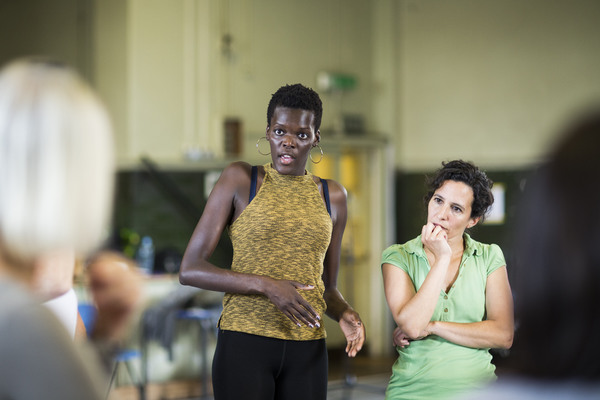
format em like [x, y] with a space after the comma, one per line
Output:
[286, 227]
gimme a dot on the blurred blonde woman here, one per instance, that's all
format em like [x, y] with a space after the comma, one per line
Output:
[56, 179]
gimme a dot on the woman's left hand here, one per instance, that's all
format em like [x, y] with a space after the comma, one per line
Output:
[354, 330]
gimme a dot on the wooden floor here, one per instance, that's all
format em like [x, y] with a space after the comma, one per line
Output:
[367, 374]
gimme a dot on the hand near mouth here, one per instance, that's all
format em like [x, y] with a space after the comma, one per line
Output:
[435, 239]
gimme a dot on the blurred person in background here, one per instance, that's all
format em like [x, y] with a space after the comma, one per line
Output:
[53, 284]
[556, 276]
[56, 182]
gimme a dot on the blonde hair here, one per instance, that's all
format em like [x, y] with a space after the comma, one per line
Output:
[56, 162]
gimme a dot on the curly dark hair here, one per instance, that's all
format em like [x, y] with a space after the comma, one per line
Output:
[468, 173]
[296, 96]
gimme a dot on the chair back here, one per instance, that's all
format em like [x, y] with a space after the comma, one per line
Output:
[88, 314]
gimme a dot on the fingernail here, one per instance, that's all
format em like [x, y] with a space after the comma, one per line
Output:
[311, 325]
[318, 325]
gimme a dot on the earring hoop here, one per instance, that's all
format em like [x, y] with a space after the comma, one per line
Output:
[258, 148]
[310, 154]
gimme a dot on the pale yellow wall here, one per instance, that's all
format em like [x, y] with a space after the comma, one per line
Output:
[155, 75]
[111, 60]
[485, 80]
[491, 81]
[283, 42]
[385, 55]
[155, 64]
[180, 81]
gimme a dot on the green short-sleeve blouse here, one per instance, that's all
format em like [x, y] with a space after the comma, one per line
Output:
[435, 368]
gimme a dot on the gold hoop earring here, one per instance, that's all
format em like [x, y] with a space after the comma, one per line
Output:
[258, 148]
[310, 154]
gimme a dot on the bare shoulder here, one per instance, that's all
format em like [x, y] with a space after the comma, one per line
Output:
[236, 180]
[237, 173]
[338, 201]
[242, 168]
[337, 191]
[237, 168]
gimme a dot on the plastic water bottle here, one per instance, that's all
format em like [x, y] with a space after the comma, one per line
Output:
[145, 255]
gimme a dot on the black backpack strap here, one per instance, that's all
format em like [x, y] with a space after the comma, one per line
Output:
[253, 177]
[326, 195]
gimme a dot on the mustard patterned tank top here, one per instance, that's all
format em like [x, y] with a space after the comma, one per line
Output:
[283, 233]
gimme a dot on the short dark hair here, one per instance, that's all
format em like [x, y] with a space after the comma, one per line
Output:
[296, 96]
[556, 271]
[468, 173]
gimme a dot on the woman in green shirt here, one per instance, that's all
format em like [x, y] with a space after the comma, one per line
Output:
[448, 293]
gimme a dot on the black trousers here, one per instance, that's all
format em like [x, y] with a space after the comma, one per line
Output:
[254, 367]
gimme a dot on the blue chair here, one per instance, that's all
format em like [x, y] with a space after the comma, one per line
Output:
[88, 313]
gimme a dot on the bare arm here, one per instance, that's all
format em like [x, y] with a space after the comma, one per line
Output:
[413, 310]
[196, 270]
[494, 332]
[337, 307]
[227, 200]
[497, 330]
[53, 274]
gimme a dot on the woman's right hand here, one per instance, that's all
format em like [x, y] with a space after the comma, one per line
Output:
[401, 339]
[435, 239]
[284, 294]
